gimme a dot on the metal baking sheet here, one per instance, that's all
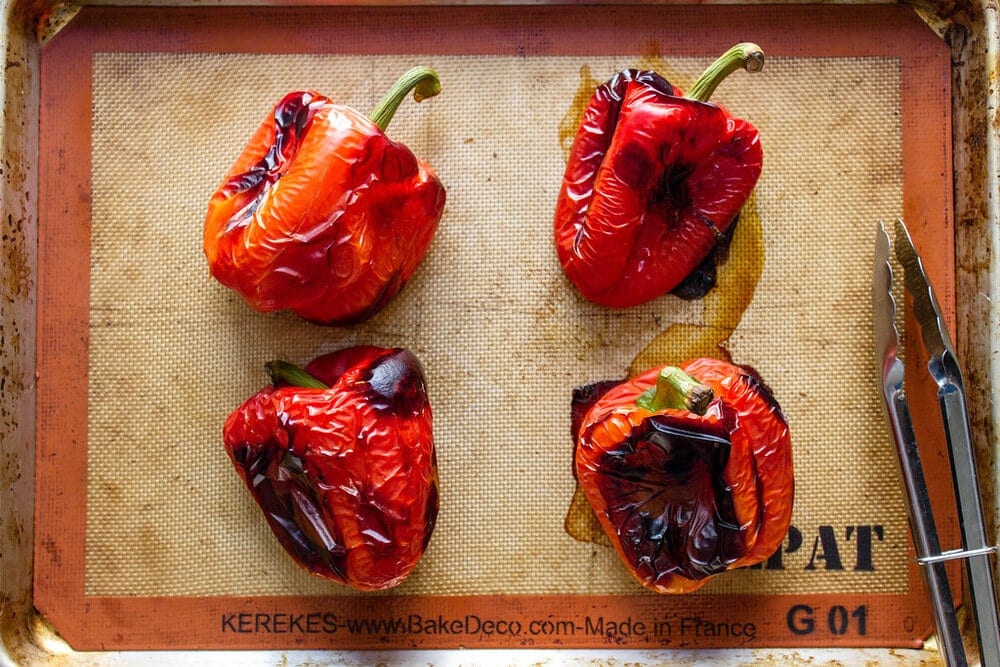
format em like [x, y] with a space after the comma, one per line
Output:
[18, 173]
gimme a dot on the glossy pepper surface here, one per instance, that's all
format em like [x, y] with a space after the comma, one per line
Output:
[689, 471]
[323, 214]
[343, 467]
[653, 181]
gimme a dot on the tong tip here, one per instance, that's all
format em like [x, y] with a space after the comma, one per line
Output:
[925, 305]
[883, 305]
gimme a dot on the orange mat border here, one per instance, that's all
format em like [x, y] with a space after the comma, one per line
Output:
[89, 622]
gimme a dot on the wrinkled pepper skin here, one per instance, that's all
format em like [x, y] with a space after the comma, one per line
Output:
[682, 496]
[652, 183]
[346, 476]
[322, 214]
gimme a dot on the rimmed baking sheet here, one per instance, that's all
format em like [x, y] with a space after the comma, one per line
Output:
[141, 356]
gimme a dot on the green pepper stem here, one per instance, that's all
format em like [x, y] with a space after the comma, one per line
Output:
[744, 55]
[676, 390]
[424, 83]
[290, 374]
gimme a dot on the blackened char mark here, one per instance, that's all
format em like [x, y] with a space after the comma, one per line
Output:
[396, 383]
[291, 118]
[613, 90]
[700, 282]
[583, 399]
[671, 191]
[328, 368]
[668, 500]
[430, 512]
[292, 507]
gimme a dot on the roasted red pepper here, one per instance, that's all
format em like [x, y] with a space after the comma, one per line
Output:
[323, 214]
[654, 180]
[342, 463]
[689, 471]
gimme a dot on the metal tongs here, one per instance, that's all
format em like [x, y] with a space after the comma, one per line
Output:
[945, 372]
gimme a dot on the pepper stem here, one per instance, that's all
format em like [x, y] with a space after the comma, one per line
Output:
[744, 55]
[676, 390]
[290, 374]
[424, 83]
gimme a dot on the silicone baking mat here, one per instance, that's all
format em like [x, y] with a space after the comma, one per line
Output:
[147, 538]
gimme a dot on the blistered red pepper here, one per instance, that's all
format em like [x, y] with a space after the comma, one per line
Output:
[653, 182]
[689, 471]
[323, 214]
[342, 463]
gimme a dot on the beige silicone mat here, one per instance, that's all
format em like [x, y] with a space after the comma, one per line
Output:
[502, 335]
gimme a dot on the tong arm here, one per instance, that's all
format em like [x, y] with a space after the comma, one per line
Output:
[979, 562]
[921, 518]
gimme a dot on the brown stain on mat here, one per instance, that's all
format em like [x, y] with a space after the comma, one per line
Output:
[113, 491]
[581, 523]
[724, 306]
[53, 550]
[574, 114]
[570, 122]
[652, 60]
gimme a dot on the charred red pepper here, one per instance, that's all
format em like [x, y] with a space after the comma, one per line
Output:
[340, 457]
[689, 471]
[653, 182]
[323, 214]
